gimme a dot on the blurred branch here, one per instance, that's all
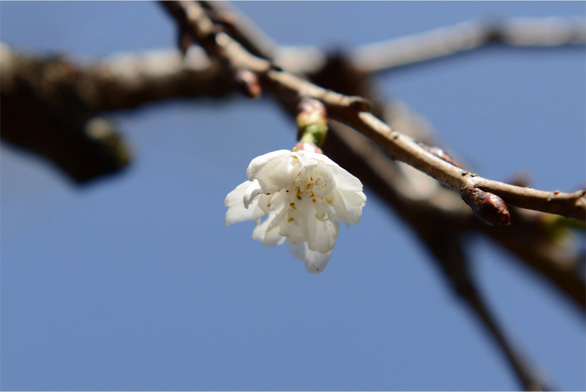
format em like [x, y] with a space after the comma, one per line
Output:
[454, 263]
[241, 29]
[68, 98]
[438, 222]
[447, 41]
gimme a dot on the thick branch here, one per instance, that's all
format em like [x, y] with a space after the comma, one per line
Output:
[67, 98]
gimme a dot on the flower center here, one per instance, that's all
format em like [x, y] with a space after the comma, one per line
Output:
[305, 186]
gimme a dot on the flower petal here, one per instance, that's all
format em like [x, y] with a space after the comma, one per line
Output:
[348, 205]
[315, 262]
[251, 193]
[259, 162]
[237, 211]
[268, 231]
[274, 171]
[326, 183]
[323, 234]
[268, 234]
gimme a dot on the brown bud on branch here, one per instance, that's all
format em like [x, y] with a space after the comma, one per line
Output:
[309, 105]
[184, 40]
[247, 83]
[443, 155]
[312, 120]
[487, 206]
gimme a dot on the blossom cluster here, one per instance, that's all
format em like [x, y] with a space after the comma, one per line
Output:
[304, 195]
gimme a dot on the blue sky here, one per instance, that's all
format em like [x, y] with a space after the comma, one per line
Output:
[134, 282]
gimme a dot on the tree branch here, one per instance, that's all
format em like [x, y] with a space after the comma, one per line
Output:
[354, 110]
[463, 37]
[420, 201]
[69, 97]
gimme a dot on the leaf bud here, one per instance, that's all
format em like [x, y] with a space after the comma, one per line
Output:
[184, 40]
[312, 121]
[443, 155]
[487, 206]
[247, 83]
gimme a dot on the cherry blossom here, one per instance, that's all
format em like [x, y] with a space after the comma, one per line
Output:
[303, 195]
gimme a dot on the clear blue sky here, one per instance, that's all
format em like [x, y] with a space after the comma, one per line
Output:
[134, 283]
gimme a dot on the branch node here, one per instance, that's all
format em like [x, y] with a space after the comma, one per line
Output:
[359, 104]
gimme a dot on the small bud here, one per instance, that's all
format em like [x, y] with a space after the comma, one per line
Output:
[184, 40]
[312, 120]
[488, 207]
[443, 155]
[247, 83]
[312, 105]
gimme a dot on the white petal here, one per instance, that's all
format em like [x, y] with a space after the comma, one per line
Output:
[269, 236]
[237, 212]
[274, 171]
[268, 231]
[309, 158]
[340, 207]
[298, 213]
[315, 262]
[326, 183]
[251, 193]
[259, 162]
[345, 180]
[348, 205]
[323, 234]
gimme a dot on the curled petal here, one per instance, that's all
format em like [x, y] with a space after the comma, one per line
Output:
[251, 193]
[274, 170]
[315, 262]
[259, 162]
[237, 211]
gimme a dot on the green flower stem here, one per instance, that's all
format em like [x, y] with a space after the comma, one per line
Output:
[315, 131]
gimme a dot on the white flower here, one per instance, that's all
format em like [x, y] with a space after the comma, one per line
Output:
[304, 194]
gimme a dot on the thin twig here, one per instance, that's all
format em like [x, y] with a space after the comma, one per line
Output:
[463, 37]
[242, 30]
